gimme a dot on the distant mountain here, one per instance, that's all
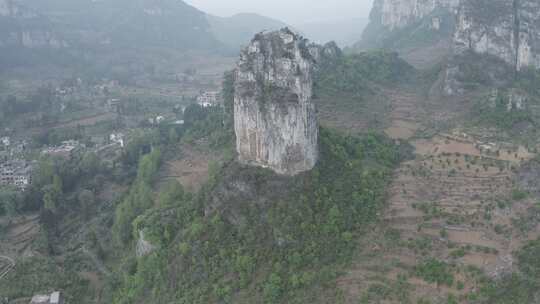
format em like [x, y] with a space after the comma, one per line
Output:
[113, 38]
[237, 30]
[343, 32]
[21, 26]
[128, 23]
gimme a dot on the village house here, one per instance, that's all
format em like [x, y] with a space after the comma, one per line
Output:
[156, 120]
[117, 138]
[5, 141]
[16, 173]
[208, 99]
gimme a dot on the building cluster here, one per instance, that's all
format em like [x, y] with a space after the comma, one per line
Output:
[14, 170]
[208, 99]
[54, 298]
[10, 148]
[15, 173]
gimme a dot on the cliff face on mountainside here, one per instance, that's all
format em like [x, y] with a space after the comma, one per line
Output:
[509, 30]
[506, 29]
[500, 30]
[398, 24]
[274, 116]
[506, 32]
[22, 27]
[397, 14]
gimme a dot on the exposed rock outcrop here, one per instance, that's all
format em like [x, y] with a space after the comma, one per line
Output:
[25, 28]
[485, 41]
[274, 117]
[397, 14]
[324, 53]
[143, 247]
[506, 29]
[8, 8]
[509, 30]
[420, 30]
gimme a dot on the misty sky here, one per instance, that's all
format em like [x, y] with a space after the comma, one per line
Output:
[289, 11]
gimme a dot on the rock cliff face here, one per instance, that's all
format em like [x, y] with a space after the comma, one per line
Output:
[23, 27]
[274, 117]
[143, 247]
[10, 9]
[507, 29]
[396, 14]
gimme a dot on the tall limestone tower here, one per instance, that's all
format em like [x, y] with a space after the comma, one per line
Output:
[274, 117]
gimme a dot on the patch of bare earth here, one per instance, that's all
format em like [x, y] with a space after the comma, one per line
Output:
[405, 115]
[191, 166]
[19, 233]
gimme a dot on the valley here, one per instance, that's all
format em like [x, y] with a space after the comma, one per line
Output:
[458, 201]
[151, 152]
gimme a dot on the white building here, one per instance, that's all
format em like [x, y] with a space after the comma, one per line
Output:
[208, 99]
[6, 141]
[117, 138]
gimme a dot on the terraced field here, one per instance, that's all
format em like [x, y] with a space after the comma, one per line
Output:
[20, 234]
[454, 207]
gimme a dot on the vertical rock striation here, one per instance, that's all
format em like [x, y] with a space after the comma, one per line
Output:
[397, 14]
[528, 53]
[274, 117]
[506, 29]
[24, 27]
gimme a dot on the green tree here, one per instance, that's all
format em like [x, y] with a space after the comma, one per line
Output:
[90, 164]
[173, 136]
[86, 200]
[9, 199]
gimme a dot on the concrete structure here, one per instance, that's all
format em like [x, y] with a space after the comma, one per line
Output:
[208, 99]
[117, 138]
[15, 173]
[64, 150]
[53, 298]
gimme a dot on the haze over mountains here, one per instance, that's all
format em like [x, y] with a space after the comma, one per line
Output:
[165, 23]
[153, 151]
